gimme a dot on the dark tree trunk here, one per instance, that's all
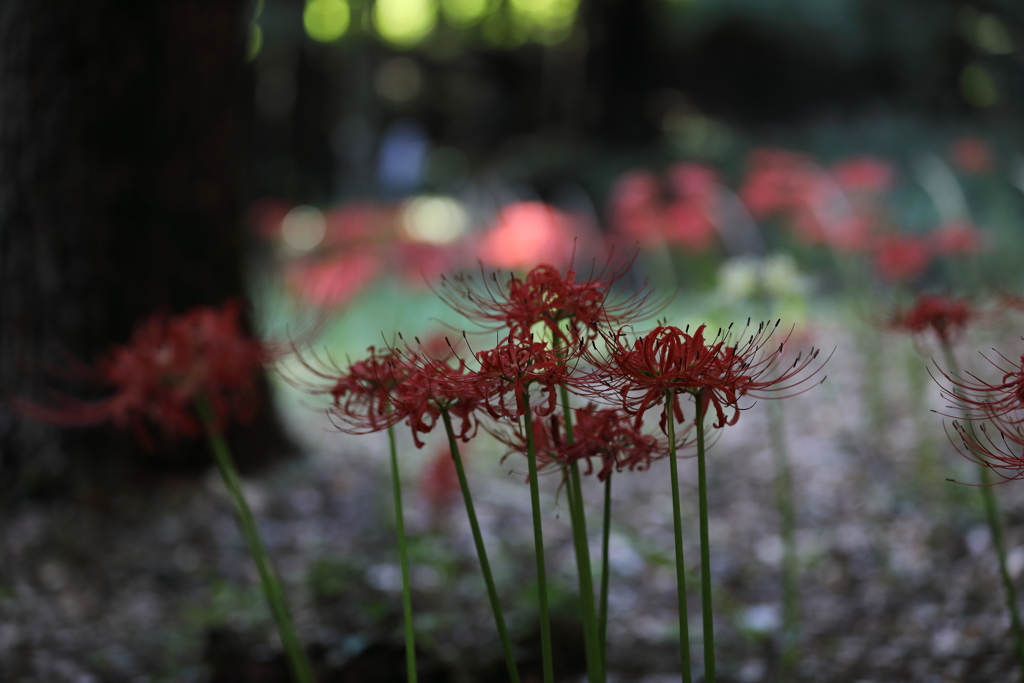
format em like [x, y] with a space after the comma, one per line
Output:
[120, 148]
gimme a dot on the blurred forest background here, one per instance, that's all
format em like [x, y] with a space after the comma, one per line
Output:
[336, 155]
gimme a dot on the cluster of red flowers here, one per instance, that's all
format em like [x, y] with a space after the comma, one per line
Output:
[642, 210]
[716, 372]
[581, 348]
[169, 363]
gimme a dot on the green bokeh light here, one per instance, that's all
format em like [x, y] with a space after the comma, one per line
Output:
[464, 12]
[404, 23]
[326, 20]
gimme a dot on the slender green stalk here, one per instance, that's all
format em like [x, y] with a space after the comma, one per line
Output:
[403, 559]
[602, 615]
[677, 525]
[992, 516]
[593, 646]
[481, 551]
[988, 499]
[271, 585]
[705, 550]
[538, 544]
[787, 524]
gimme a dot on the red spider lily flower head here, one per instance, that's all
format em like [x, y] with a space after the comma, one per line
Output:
[715, 372]
[956, 238]
[605, 440]
[613, 438]
[946, 318]
[169, 363]
[864, 174]
[1003, 455]
[511, 367]
[1002, 402]
[433, 386]
[566, 307]
[527, 233]
[901, 257]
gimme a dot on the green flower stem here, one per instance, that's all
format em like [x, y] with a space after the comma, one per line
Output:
[787, 524]
[481, 551]
[403, 559]
[594, 649]
[705, 550]
[677, 524]
[538, 544]
[992, 516]
[271, 585]
[602, 615]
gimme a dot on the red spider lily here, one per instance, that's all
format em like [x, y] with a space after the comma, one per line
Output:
[517, 362]
[432, 386]
[169, 363]
[945, 317]
[901, 257]
[608, 435]
[1002, 402]
[545, 296]
[394, 385]
[613, 438]
[979, 446]
[715, 372]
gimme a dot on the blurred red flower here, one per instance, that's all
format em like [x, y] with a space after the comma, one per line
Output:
[157, 377]
[945, 317]
[334, 280]
[901, 257]
[864, 174]
[971, 155]
[956, 238]
[528, 233]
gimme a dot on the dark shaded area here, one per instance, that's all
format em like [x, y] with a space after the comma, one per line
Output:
[120, 180]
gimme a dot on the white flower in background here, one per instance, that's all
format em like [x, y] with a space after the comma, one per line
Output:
[775, 275]
[780, 276]
[738, 278]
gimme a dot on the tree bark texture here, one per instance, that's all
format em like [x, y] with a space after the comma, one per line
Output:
[120, 145]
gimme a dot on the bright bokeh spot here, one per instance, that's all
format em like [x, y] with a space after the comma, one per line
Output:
[546, 20]
[528, 233]
[464, 12]
[435, 220]
[303, 228]
[404, 23]
[326, 20]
